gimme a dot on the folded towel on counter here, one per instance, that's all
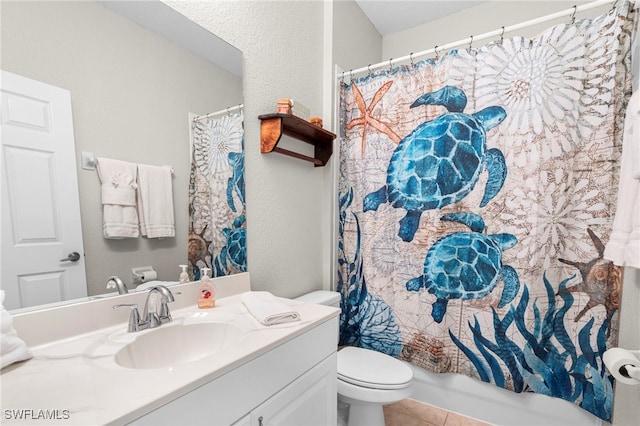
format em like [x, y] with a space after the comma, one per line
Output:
[12, 348]
[118, 191]
[155, 201]
[267, 309]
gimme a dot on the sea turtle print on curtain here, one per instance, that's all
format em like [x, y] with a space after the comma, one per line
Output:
[439, 162]
[476, 194]
[217, 228]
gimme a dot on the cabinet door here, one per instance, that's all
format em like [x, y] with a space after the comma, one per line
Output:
[310, 400]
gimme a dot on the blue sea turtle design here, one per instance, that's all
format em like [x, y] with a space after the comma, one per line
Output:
[440, 161]
[235, 250]
[466, 265]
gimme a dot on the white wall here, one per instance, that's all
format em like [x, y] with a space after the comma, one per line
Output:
[479, 19]
[488, 17]
[356, 41]
[282, 42]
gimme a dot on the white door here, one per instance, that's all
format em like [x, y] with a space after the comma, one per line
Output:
[40, 205]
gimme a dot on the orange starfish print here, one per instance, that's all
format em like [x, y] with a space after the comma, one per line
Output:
[367, 119]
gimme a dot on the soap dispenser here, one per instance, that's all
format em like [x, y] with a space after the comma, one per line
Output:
[206, 292]
[184, 275]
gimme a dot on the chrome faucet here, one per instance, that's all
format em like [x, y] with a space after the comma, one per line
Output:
[151, 318]
[116, 282]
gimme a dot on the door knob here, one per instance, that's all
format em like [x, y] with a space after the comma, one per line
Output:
[72, 257]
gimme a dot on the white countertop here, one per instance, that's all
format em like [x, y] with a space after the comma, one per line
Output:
[76, 381]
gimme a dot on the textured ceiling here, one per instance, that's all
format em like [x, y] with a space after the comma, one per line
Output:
[392, 16]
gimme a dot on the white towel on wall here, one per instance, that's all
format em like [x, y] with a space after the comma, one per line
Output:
[267, 309]
[12, 348]
[155, 201]
[118, 191]
[623, 247]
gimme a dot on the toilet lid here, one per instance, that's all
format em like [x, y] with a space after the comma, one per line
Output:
[372, 369]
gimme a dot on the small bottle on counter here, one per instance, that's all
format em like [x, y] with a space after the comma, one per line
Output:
[284, 106]
[316, 121]
[184, 275]
[206, 292]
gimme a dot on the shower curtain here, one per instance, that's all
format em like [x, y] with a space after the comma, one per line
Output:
[476, 194]
[217, 228]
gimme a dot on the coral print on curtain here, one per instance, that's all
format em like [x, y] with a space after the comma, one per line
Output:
[217, 229]
[476, 194]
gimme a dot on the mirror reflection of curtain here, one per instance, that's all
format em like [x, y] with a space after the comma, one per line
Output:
[217, 228]
[514, 146]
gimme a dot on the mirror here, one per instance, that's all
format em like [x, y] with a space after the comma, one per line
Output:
[135, 71]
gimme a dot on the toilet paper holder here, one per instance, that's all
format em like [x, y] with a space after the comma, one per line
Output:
[143, 274]
[623, 364]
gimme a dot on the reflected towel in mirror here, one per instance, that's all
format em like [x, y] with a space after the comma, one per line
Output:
[119, 215]
[267, 309]
[155, 201]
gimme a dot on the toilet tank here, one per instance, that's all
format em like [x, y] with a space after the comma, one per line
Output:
[322, 297]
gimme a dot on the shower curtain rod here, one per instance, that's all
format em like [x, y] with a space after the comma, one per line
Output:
[469, 41]
[222, 111]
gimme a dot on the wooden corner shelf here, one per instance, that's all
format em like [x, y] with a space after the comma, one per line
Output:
[273, 126]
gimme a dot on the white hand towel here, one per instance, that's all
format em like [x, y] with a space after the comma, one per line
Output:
[623, 247]
[155, 201]
[119, 215]
[12, 348]
[267, 309]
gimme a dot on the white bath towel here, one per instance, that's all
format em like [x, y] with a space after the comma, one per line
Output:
[12, 348]
[155, 201]
[118, 191]
[623, 247]
[267, 309]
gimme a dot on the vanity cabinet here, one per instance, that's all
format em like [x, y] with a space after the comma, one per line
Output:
[294, 383]
[310, 400]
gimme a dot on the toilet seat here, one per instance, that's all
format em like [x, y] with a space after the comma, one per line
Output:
[372, 369]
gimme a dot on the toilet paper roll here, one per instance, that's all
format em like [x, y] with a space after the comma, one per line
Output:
[149, 275]
[617, 360]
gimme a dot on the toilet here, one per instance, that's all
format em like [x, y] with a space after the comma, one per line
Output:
[367, 379]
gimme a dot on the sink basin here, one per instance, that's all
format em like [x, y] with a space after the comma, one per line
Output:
[171, 345]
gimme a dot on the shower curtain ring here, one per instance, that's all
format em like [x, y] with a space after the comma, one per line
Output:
[470, 43]
[390, 66]
[411, 59]
[573, 15]
[435, 50]
[369, 68]
[502, 35]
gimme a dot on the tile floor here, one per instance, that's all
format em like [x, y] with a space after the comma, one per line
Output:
[409, 412]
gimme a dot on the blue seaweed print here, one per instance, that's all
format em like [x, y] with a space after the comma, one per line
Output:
[549, 362]
[233, 254]
[236, 181]
[440, 161]
[365, 321]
